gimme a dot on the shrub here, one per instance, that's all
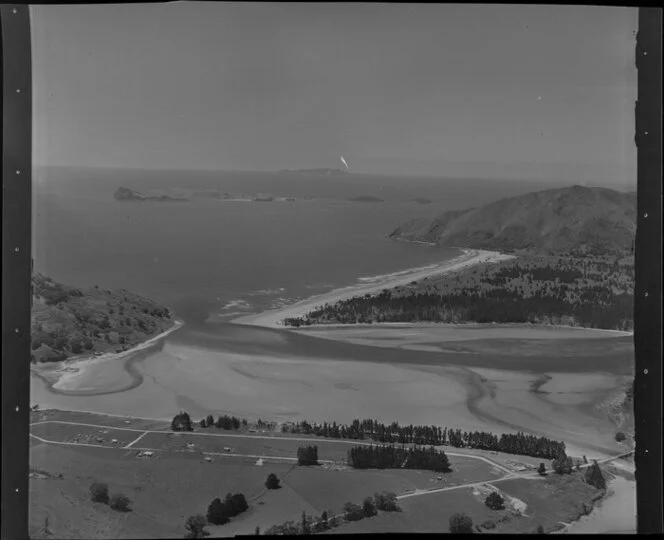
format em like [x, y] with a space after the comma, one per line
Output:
[216, 513]
[488, 524]
[495, 501]
[272, 481]
[461, 524]
[202, 423]
[368, 508]
[289, 528]
[99, 493]
[541, 469]
[386, 501]
[120, 502]
[540, 529]
[195, 526]
[353, 512]
[620, 436]
[562, 464]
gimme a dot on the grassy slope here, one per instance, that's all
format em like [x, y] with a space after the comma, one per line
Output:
[68, 322]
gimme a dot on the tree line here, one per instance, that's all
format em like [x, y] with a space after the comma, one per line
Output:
[593, 293]
[392, 457]
[223, 422]
[597, 308]
[514, 443]
[383, 502]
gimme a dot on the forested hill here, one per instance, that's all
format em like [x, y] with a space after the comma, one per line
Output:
[572, 220]
[69, 322]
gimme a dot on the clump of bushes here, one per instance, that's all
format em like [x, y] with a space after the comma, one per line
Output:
[495, 501]
[99, 493]
[195, 527]
[120, 502]
[562, 464]
[219, 513]
[461, 524]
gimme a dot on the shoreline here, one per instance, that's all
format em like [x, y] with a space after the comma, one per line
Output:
[60, 379]
[274, 318]
[461, 325]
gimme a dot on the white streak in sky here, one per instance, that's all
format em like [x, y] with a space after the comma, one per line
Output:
[344, 162]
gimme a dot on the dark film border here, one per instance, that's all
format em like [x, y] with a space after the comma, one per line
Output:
[15, 70]
[648, 266]
[16, 265]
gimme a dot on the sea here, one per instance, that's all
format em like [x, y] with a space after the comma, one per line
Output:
[212, 259]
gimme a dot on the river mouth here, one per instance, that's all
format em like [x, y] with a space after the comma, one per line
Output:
[284, 375]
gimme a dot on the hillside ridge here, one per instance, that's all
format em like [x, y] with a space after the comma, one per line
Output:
[574, 219]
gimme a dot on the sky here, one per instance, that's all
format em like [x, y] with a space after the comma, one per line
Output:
[398, 89]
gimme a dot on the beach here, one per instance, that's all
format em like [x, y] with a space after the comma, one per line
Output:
[83, 375]
[274, 318]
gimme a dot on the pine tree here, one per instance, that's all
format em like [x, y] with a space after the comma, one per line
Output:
[594, 476]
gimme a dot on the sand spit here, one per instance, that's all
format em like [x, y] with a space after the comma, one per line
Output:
[274, 318]
[75, 375]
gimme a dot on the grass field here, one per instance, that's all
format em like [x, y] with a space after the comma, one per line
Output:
[168, 487]
[83, 434]
[178, 481]
[548, 502]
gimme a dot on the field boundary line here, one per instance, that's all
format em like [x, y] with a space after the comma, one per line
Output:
[136, 439]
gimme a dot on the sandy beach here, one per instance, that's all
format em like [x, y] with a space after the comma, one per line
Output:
[81, 374]
[274, 318]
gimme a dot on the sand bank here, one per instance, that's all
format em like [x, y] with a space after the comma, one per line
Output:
[203, 381]
[274, 318]
[97, 373]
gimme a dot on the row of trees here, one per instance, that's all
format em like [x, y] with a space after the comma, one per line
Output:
[516, 443]
[597, 308]
[223, 422]
[383, 502]
[392, 457]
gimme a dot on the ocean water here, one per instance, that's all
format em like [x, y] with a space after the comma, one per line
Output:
[210, 257]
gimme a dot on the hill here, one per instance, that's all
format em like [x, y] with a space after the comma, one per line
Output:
[67, 321]
[573, 219]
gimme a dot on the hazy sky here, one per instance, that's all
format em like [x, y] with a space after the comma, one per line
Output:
[395, 88]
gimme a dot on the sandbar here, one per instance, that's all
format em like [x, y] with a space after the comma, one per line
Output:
[274, 318]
